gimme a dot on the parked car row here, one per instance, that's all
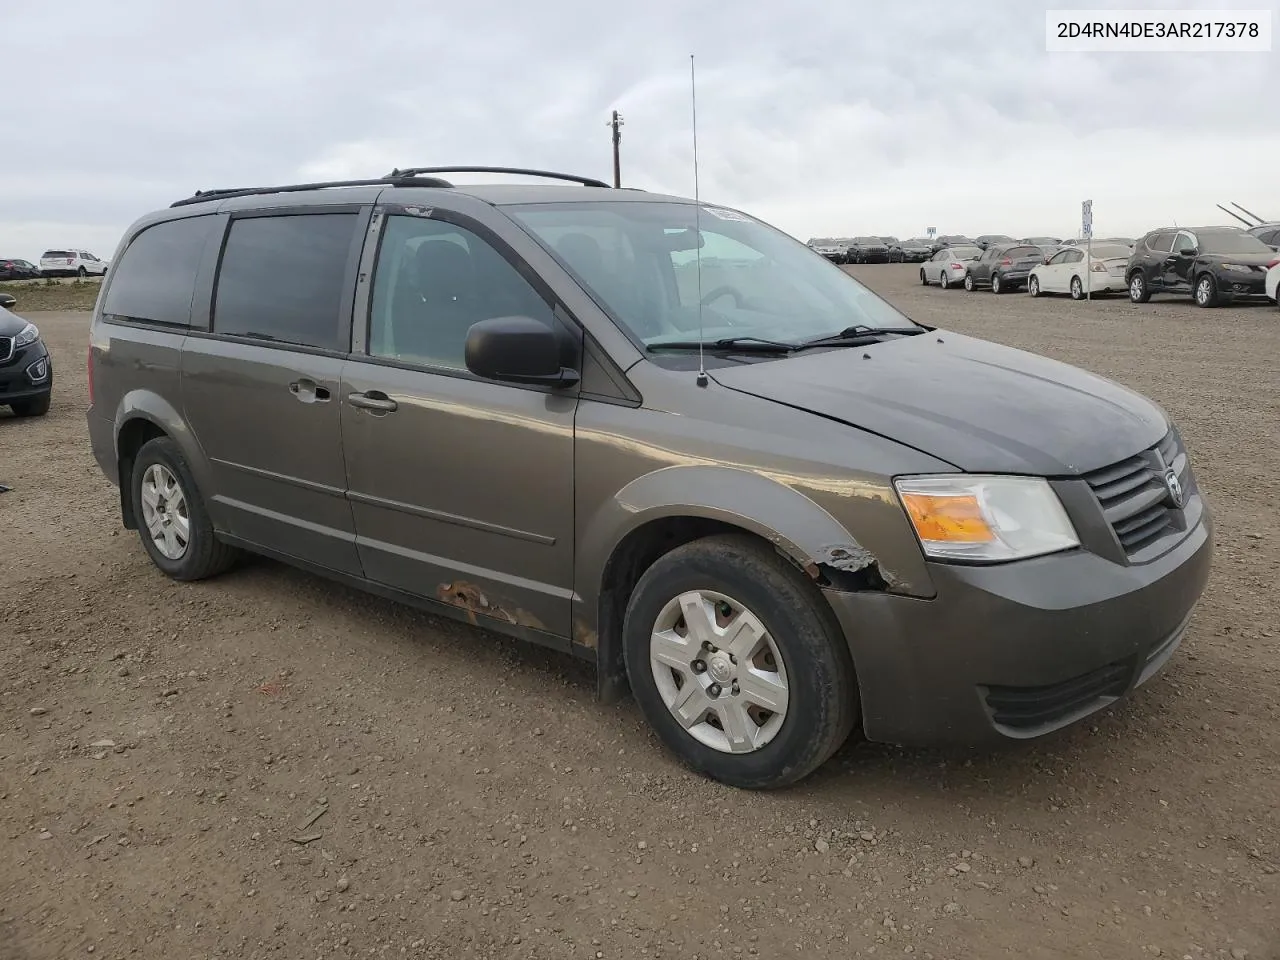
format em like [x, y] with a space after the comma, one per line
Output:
[54, 263]
[871, 249]
[1212, 265]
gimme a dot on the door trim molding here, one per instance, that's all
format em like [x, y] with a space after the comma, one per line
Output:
[453, 518]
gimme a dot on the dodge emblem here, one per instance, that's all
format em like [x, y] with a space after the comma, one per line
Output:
[1174, 486]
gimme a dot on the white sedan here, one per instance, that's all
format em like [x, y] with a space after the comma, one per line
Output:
[1066, 272]
[1273, 283]
[946, 268]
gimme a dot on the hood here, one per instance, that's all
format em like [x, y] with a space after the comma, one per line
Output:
[977, 405]
[10, 323]
[1246, 259]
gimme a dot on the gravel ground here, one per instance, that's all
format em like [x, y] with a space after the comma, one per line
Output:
[163, 746]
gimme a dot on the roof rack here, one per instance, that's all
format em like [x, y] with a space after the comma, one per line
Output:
[203, 196]
[410, 177]
[521, 171]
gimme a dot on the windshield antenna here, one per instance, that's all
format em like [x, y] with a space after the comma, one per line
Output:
[697, 220]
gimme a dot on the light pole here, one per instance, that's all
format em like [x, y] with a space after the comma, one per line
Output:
[616, 124]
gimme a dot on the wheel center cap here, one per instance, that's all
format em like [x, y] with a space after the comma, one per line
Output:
[720, 669]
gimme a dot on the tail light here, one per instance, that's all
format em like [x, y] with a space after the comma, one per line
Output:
[1274, 263]
[1099, 267]
[89, 365]
[1006, 262]
[957, 266]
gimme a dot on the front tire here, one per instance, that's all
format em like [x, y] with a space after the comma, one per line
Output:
[32, 408]
[738, 663]
[173, 522]
[1206, 293]
[1139, 292]
[1033, 286]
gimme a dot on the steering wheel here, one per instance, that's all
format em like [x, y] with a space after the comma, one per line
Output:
[725, 291]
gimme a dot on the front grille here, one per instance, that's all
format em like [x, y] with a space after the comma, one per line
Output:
[1133, 495]
[1024, 708]
[6, 349]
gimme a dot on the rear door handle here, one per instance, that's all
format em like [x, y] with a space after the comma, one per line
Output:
[374, 400]
[308, 391]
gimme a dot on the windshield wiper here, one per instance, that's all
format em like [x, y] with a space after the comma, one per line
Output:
[861, 333]
[754, 344]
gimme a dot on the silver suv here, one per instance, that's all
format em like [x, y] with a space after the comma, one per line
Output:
[659, 435]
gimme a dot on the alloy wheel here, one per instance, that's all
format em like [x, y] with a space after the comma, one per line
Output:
[165, 511]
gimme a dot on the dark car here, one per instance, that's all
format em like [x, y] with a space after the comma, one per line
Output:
[11, 269]
[949, 240]
[1268, 233]
[741, 484]
[26, 369]
[1211, 264]
[988, 239]
[1003, 267]
[867, 250]
[911, 251]
[1049, 245]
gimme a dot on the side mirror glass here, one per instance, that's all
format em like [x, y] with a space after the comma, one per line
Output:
[1189, 252]
[517, 350]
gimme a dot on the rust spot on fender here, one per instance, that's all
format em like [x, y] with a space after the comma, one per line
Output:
[849, 557]
[469, 597]
[584, 636]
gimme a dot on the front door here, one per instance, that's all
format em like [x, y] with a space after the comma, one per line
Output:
[462, 488]
[261, 390]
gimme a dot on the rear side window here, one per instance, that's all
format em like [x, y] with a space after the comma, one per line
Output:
[156, 277]
[1161, 242]
[281, 278]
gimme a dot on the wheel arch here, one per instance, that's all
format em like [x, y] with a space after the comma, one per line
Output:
[712, 500]
[142, 416]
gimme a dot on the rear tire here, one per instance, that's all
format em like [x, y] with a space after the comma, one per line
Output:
[82, 273]
[1139, 292]
[996, 285]
[804, 663]
[201, 553]
[943, 281]
[968, 282]
[1077, 289]
[923, 281]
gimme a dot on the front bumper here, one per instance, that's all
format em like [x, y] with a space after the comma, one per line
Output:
[1015, 651]
[16, 373]
[1233, 284]
[872, 256]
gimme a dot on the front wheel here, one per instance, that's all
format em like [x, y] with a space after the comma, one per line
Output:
[1206, 291]
[1139, 292]
[172, 520]
[738, 664]
[1033, 286]
[32, 408]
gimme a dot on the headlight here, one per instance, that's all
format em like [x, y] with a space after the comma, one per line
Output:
[986, 518]
[1237, 267]
[28, 334]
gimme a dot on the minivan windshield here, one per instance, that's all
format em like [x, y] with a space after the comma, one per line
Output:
[640, 261]
[1230, 241]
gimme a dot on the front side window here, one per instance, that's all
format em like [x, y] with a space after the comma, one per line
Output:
[281, 278]
[435, 279]
[156, 277]
[1183, 242]
[755, 280]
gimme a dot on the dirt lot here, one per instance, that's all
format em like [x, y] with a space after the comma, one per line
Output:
[162, 745]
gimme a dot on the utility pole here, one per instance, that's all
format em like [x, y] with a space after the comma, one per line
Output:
[616, 124]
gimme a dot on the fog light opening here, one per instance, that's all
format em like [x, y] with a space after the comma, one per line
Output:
[38, 372]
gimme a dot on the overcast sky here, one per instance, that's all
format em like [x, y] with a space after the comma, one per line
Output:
[825, 118]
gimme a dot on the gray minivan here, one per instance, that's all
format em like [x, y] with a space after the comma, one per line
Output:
[658, 434]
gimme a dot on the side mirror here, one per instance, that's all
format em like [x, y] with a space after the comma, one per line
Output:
[1189, 252]
[517, 350]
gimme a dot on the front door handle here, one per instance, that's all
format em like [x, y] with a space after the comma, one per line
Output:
[374, 400]
[308, 391]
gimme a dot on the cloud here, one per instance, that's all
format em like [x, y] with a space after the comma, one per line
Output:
[825, 118]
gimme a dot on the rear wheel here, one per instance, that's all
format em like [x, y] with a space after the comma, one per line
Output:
[944, 281]
[738, 664]
[996, 285]
[1077, 289]
[923, 280]
[82, 273]
[968, 282]
[1139, 292]
[172, 520]
[1206, 291]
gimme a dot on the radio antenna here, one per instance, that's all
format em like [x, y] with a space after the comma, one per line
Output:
[697, 220]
